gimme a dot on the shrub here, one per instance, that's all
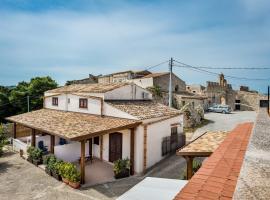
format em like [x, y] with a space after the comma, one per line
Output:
[37, 154]
[69, 171]
[50, 162]
[121, 165]
[30, 151]
[3, 139]
[47, 158]
[56, 166]
[74, 176]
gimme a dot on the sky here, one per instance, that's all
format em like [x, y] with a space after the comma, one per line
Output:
[70, 39]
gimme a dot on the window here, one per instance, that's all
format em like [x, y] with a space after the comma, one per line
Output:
[183, 103]
[96, 140]
[144, 95]
[193, 105]
[176, 88]
[68, 100]
[55, 101]
[174, 130]
[83, 103]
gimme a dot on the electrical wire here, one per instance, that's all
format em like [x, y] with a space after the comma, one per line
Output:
[151, 67]
[214, 73]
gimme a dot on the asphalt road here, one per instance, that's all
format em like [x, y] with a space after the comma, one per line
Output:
[225, 122]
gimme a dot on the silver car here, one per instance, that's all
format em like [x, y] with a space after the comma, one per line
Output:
[220, 109]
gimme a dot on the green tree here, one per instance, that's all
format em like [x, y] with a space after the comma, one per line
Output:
[36, 89]
[14, 101]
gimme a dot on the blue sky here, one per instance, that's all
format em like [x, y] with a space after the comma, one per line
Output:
[70, 39]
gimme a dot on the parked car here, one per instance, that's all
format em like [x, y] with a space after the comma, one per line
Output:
[220, 109]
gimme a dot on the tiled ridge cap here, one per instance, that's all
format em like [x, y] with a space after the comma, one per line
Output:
[217, 177]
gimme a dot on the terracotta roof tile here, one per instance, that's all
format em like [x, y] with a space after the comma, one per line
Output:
[144, 109]
[70, 125]
[206, 143]
[217, 177]
[88, 88]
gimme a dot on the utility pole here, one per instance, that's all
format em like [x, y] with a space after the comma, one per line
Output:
[170, 83]
[268, 107]
[28, 104]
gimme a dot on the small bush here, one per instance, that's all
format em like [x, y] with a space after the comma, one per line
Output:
[69, 171]
[121, 165]
[3, 139]
[30, 151]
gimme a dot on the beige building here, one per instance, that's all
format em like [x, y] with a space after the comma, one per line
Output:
[122, 76]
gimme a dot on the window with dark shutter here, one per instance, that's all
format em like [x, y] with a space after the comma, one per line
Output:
[83, 103]
[55, 101]
[96, 140]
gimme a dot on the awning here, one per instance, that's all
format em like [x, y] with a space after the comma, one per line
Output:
[204, 145]
[72, 125]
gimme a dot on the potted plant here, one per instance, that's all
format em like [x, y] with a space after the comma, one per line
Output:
[56, 169]
[74, 177]
[30, 151]
[37, 156]
[121, 168]
[64, 169]
[50, 164]
[46, 160]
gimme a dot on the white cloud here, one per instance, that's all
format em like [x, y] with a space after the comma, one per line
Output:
[69, 45]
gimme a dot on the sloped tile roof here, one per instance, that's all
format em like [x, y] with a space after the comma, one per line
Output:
[206, 143]
[217, 177]
[71, 125]
[88, 88]
[144, 109]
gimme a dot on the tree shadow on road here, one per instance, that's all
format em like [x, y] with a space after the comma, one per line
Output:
[4, 167]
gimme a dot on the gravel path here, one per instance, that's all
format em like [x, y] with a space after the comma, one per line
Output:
[225, 122]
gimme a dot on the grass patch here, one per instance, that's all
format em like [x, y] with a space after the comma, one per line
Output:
[204, 122]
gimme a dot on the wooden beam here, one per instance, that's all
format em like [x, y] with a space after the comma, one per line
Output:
[144, 147]
[101, 147]
[90, 148]
[33, 138]
[82, 164]
[132, 137]
[52, 143]
[189, 160]
[14, 130]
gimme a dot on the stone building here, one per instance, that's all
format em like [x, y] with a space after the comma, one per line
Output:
[119, 77]
[90, 79]
[196, 89]
[162, 81]
[220, 92]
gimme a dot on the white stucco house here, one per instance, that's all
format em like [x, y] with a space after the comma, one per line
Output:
[104, 121]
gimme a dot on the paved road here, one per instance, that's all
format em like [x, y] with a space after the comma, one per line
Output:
[21, 180]
[225, 122]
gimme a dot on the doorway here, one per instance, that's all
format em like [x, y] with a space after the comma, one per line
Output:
[237, 105]
[115, 146]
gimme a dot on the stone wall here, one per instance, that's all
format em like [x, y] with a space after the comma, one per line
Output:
[163, 83]
[249, 100]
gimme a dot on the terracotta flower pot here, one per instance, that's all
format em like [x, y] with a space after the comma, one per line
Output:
[74, 185]
[65, 180]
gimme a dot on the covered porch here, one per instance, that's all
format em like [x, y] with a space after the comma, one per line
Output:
[203, 146]
[81, 130]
